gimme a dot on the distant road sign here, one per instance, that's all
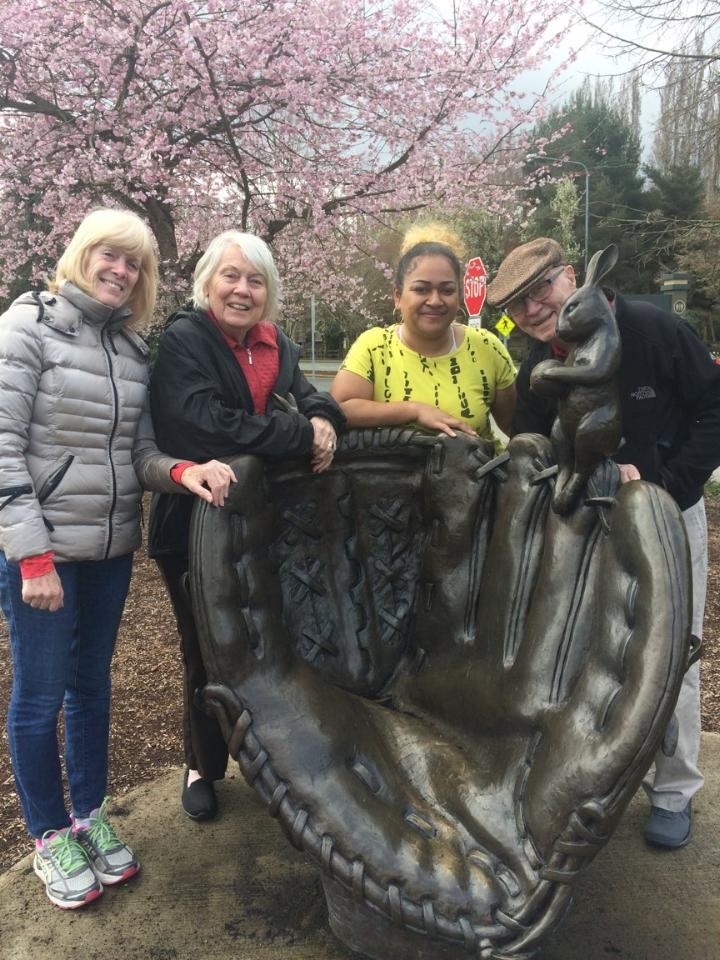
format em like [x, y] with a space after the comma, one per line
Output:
[679, 306]
[474, 286]
[505, 326]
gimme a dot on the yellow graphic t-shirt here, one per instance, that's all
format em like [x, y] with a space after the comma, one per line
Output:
[462, 383]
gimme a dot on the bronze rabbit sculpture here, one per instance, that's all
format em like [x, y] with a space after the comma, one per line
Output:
[588, 427]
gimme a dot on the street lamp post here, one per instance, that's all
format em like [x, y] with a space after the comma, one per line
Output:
[577, 163]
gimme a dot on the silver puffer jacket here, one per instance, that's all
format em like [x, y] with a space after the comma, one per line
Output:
[76, 439]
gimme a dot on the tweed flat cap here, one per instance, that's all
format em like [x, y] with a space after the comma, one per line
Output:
[523, 267]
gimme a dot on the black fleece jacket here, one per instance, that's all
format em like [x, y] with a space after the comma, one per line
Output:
[202, 409]
[669, 397]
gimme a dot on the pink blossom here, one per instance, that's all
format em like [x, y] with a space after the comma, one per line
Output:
[312, 124]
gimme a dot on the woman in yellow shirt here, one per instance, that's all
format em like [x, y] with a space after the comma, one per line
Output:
[427, 370]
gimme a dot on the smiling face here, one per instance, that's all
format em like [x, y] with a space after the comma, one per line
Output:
[111, 275]
[430, 297]
[237, 293]
[538, 318]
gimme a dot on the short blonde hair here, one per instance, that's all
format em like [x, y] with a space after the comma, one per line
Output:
[255, 250]
[126, 232]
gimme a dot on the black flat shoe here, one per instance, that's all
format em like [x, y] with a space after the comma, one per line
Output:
[198, 800]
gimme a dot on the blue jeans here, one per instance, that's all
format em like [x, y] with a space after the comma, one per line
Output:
[61, 660]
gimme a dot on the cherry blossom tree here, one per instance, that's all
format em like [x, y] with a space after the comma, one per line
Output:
[309, 122]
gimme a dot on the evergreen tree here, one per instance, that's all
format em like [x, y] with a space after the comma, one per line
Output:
[592, 130]
[679, 190]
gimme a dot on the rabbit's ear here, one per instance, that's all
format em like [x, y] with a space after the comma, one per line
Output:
[601, 264]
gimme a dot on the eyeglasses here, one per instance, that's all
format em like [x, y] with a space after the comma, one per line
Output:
[539, 292]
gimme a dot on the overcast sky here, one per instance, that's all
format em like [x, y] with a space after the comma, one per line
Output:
[598, 59]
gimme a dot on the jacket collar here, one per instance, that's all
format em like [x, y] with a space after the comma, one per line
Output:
[95, 312]
[262, 332]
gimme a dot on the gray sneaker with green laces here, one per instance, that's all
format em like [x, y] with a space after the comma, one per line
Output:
[112, 860]
[62, 865]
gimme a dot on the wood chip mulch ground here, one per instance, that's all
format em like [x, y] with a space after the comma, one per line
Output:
[145, 732]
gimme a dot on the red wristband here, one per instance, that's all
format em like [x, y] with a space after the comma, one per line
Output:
[37, 566]
[179, 469]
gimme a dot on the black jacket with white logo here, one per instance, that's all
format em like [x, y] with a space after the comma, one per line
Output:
[669, 395]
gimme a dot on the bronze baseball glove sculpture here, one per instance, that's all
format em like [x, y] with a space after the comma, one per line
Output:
[445, 692]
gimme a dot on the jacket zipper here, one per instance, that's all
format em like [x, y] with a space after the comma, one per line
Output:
[113, 431]
[51, 484]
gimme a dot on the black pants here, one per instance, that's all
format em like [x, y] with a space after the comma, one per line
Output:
[203, 743]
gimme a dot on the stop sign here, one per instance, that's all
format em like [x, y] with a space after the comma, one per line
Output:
[474, 286]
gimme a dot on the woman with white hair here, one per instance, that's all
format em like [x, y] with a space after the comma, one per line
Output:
[222, 373]
[76, 448]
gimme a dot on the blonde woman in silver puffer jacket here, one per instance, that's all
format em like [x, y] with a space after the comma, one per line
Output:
[76, 448]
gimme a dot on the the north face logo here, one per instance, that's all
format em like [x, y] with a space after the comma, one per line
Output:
[643, 393]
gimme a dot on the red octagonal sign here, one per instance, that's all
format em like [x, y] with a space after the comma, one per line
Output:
[474, 286]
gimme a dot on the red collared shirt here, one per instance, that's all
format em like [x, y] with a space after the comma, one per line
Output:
[259, 359]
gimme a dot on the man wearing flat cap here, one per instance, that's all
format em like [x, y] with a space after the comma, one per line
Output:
[670, 404]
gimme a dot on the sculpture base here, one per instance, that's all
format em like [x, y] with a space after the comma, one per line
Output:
[366, 931]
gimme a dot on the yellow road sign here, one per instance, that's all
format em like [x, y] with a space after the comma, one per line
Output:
[505, 326]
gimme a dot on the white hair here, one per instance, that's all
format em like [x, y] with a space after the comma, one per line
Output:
[255, 250]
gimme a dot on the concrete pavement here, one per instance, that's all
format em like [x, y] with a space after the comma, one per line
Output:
[236, 890]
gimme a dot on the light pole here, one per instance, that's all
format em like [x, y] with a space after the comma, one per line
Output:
[576, 163]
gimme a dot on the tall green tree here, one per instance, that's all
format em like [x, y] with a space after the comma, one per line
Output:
[677, 202]
[593, 130]
[678, 190]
